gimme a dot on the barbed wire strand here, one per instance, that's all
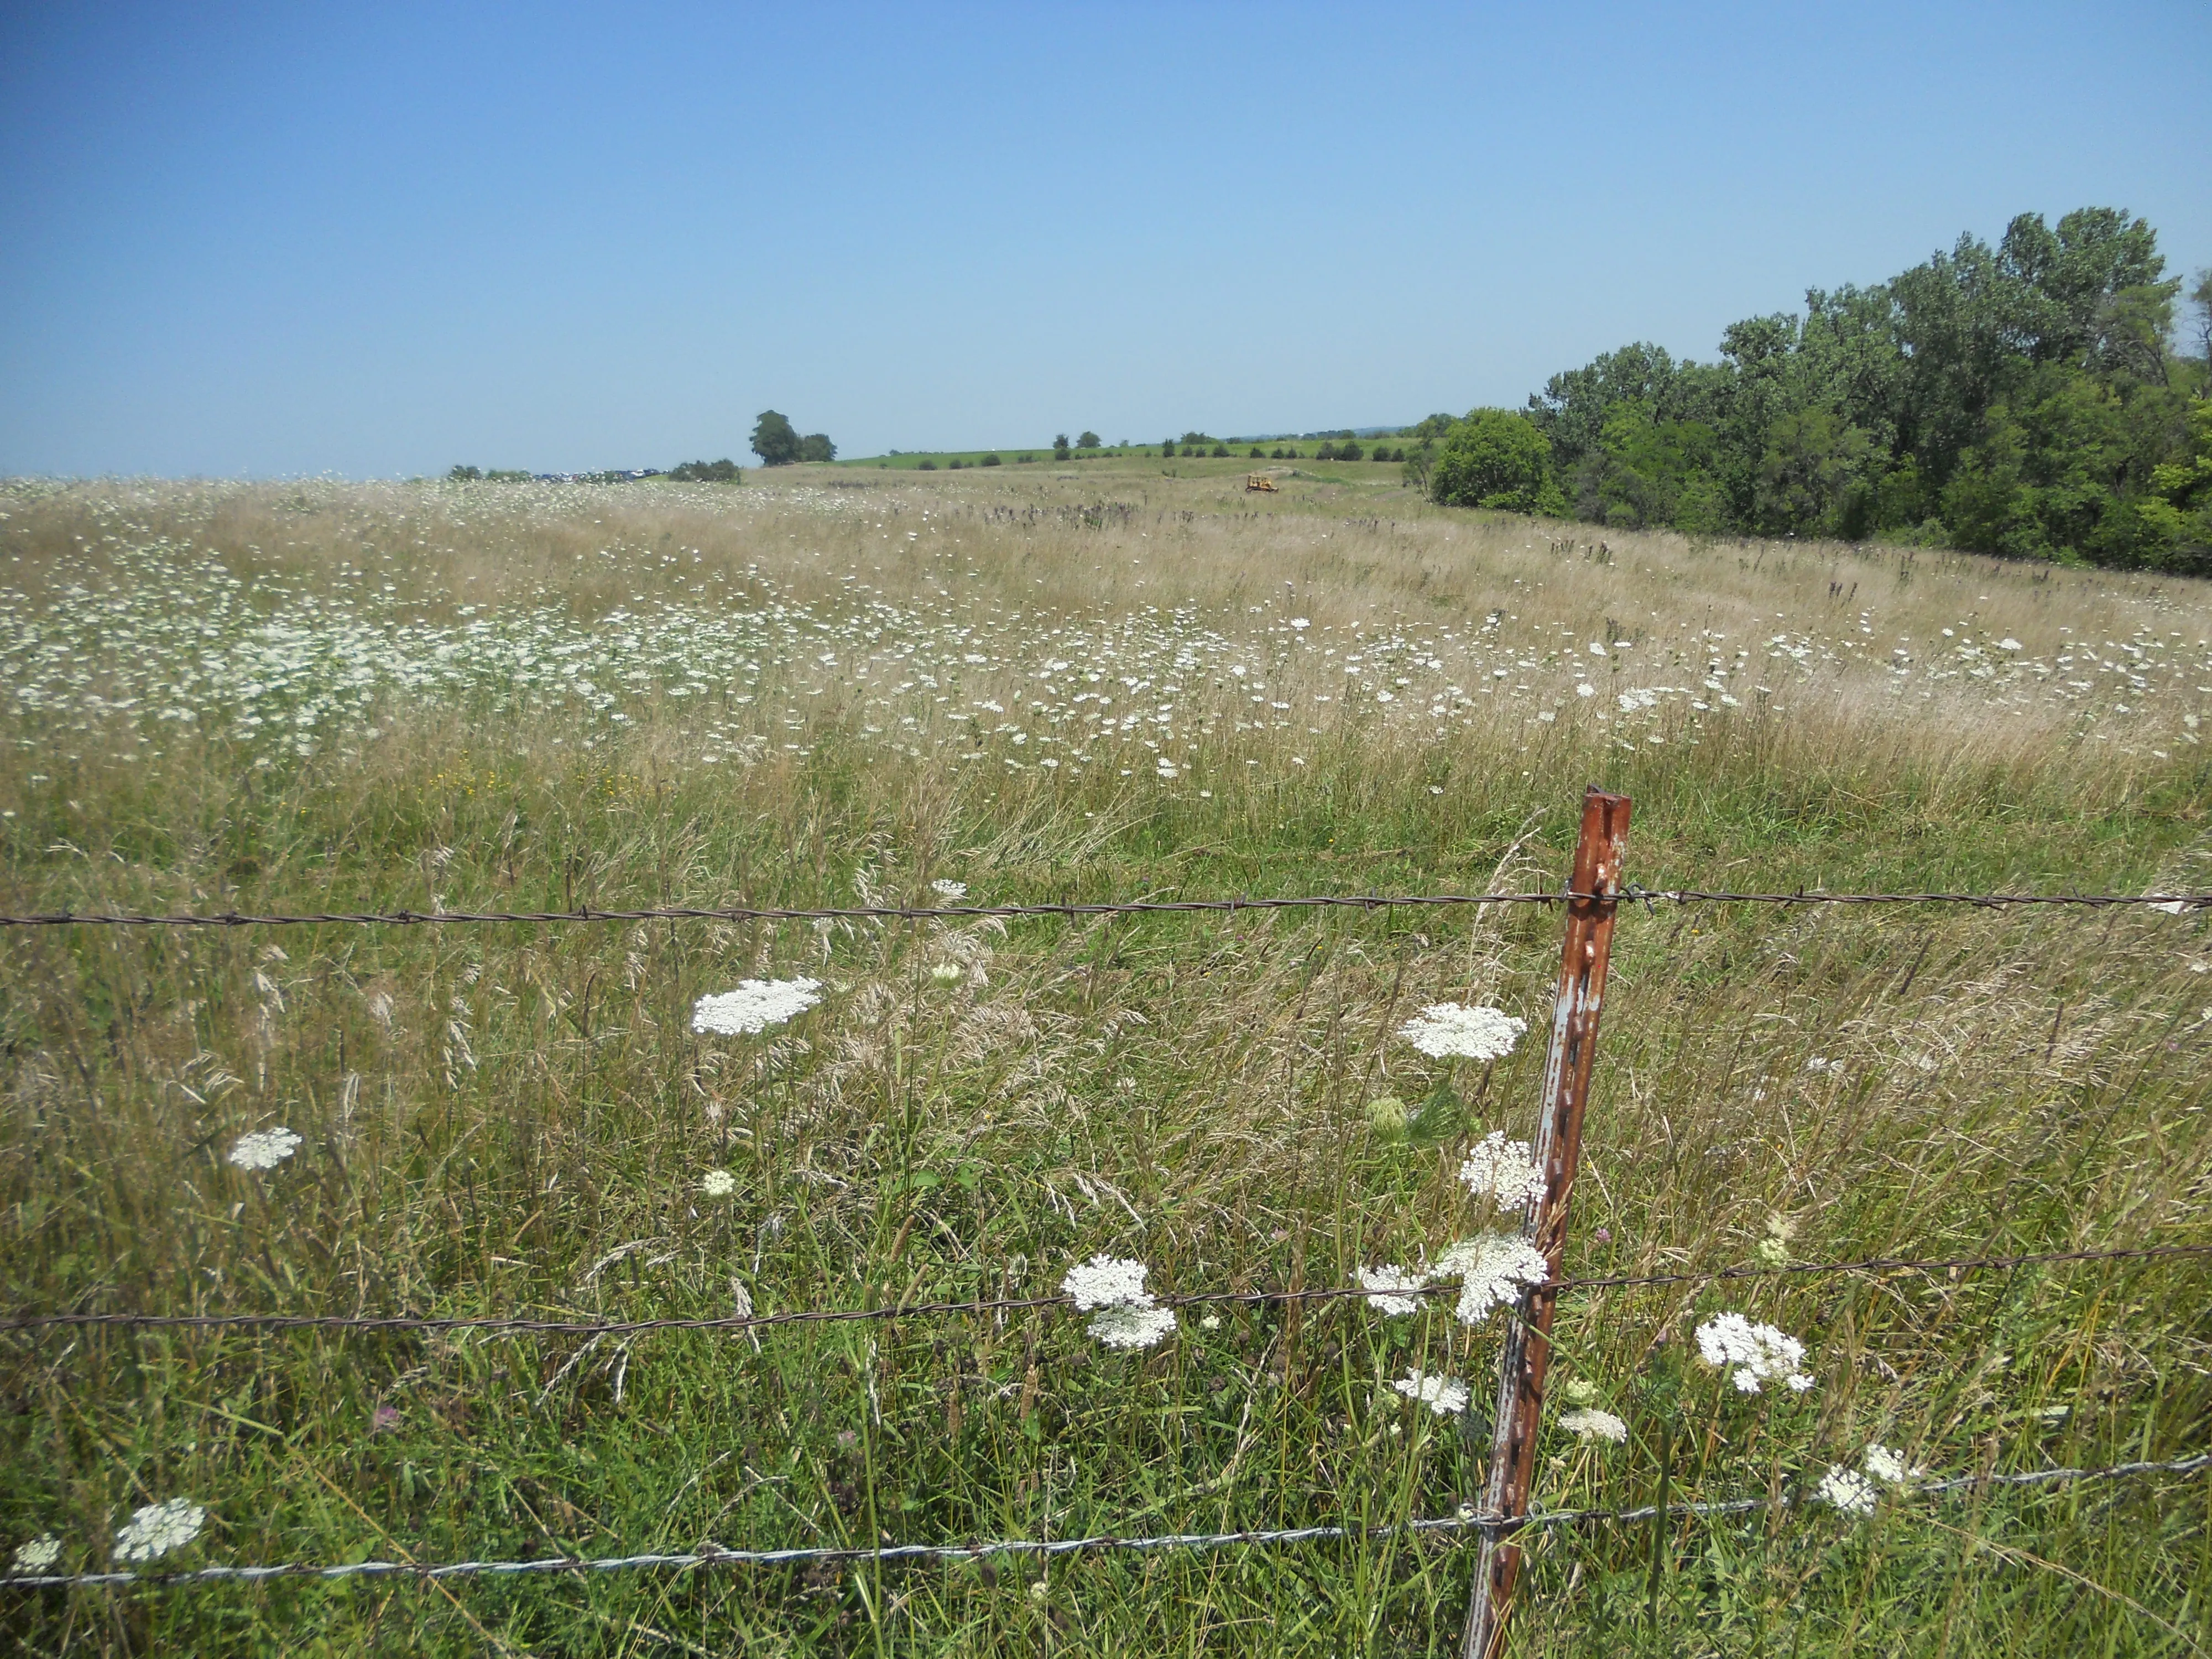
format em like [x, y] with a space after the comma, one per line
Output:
[499, 1324]
[710, 1556]
[2177, 902]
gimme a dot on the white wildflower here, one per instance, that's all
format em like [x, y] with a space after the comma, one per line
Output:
[1128, 1326]
[755, 1006]
[1452, 1030]
[717, 1183]
[1889, 1466]
[158, 1528]
[1442, 1394]
[264, 1149]
[1389, 1283]
[39, 1554]
[1848, 1490]
[1491, 1270]
[1106, 1281]
[949, 889]
[2009, 643]
[1591, 1424]
[1210, 1323]
[1757, 1353]
[1504, 1169]
[945, 975]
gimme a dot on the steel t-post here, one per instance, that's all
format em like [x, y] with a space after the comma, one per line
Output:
[1593, 895]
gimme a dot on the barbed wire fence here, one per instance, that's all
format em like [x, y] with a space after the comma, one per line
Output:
[1496, 1524]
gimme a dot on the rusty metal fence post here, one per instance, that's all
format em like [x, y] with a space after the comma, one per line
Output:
[1521, 1368]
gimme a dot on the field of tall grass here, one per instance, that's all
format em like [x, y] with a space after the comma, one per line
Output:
[837, 688]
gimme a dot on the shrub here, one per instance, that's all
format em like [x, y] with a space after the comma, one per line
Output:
[464, 475]
[1349, 450]
[926, 467]
[1495, 458]
[990, 460]
[1220, 450]
[1325, 452]
[1256, 454]
[721, 471]
[955, 464]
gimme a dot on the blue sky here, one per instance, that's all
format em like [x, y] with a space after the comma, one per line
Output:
[376, 240]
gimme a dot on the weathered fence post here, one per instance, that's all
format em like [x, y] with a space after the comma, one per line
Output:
[1594, 892]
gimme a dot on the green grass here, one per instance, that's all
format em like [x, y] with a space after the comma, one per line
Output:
[514, 1118]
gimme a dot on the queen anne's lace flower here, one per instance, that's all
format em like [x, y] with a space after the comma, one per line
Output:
[1452, 1030]
[1126, 1326]
[1491, 1270]
[39, 1554]
[1127, 1315]
[1849, 1490]
[1890, 1468]
[264, 1149]
[1752, 1354]
[1388, 1282]
[1442, 1394]
[1106, 1281]
[1591, 1424]
[1503, 1169]
[949, 889]
[717, 1183]
[755, 1006]
[158, 1528]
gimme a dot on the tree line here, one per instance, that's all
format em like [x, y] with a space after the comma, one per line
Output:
[2040, 399]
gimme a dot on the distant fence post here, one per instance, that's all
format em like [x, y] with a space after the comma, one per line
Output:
[1521, 1368]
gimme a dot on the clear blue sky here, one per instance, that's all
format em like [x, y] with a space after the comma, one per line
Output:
[379, 239]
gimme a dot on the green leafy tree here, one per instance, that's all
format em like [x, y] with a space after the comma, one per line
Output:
[776, 441]
[1495, 458]
[721, 471]
[1087, 440]
[817, 446]
[464, 475]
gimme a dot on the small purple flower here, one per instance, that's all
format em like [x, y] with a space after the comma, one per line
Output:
[383, 1420]
[1604, 1235]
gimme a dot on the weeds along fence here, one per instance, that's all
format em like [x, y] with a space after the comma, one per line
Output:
[1590, 902]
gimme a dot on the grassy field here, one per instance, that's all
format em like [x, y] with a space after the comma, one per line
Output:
[840, 686]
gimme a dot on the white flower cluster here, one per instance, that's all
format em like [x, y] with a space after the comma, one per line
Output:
[1753, 1354]
[1590, 1423]
[1125, 1314]
[264, 1149]
[717, 1183]
[1848, 1490]
[158, 1528]
[1442, 1394]
[1889, 1466]
[1855, 1491]
[1504, 1169]
[1389, 1283]
[755, 1006]
[38, 1555]
[1452, 1030]
[1491, 1271]
[949, 889]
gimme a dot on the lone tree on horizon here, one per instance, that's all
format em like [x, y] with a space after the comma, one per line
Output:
[776, 441]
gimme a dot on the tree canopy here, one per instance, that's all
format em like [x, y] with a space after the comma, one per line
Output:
[2030, 398]
[776, 441]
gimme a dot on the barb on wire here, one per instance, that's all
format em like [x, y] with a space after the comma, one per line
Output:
[2176, 903]
[1467, 1520]
[518, 1325]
